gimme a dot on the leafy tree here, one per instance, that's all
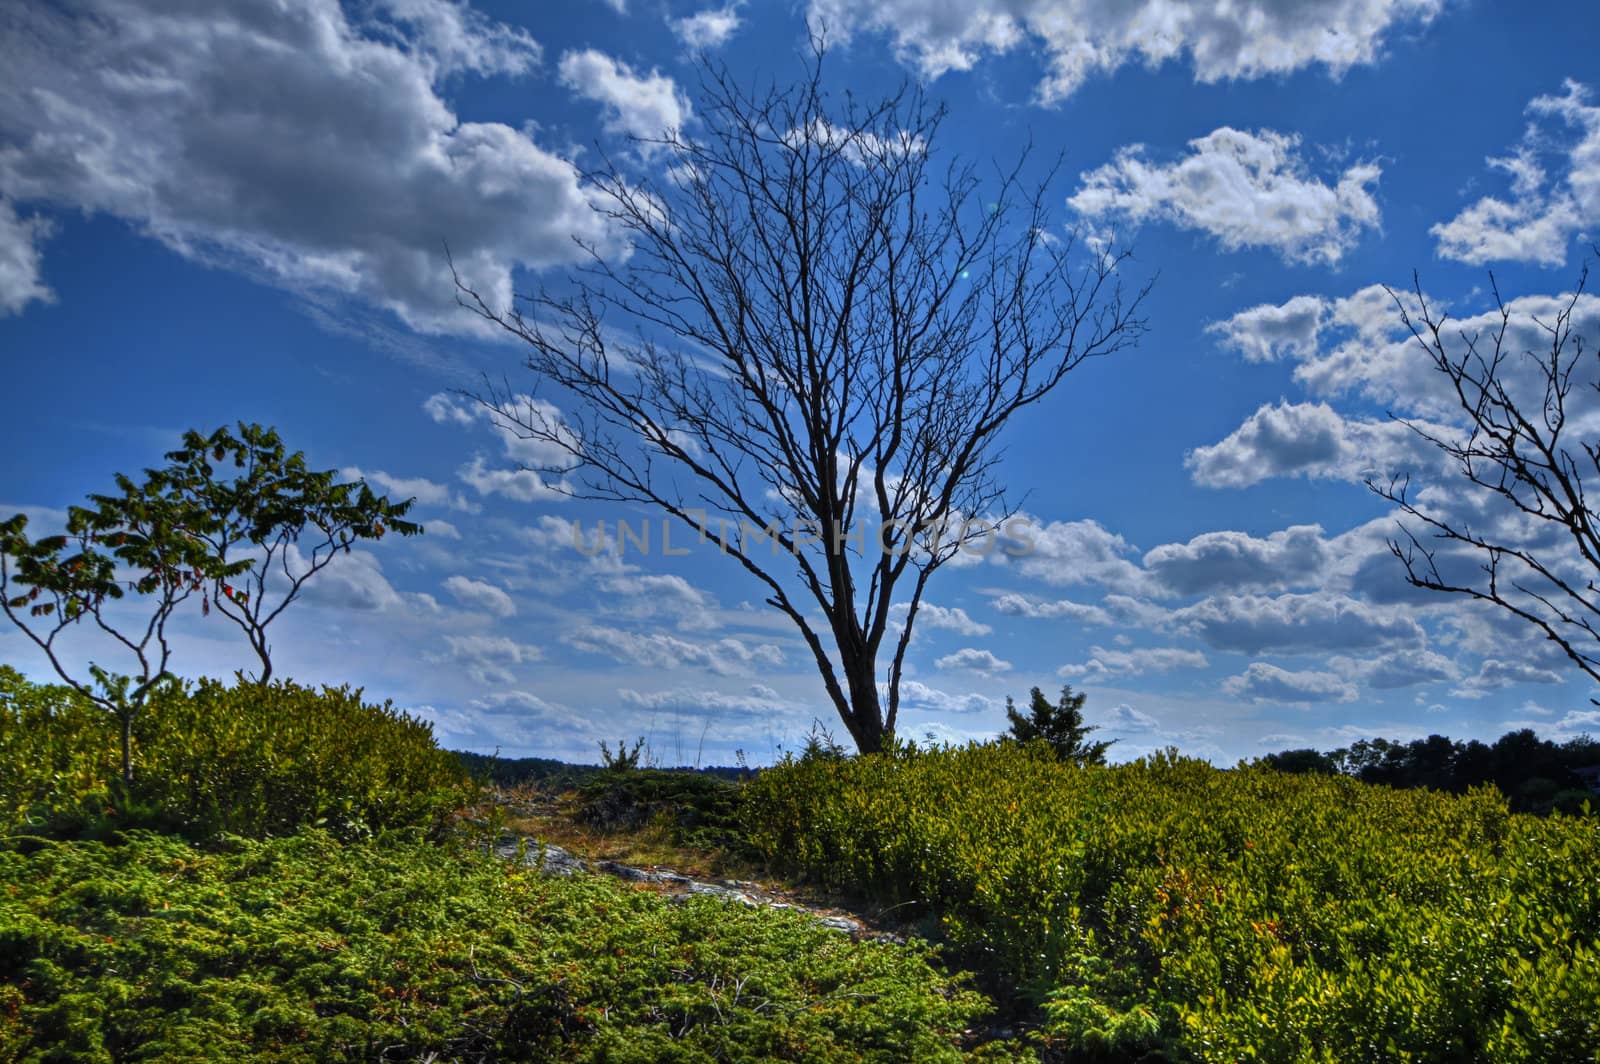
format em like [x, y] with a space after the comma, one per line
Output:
[1302, 761]
[286, 521]
[1061, 725]
[143, 540]
[819, 332]
[183, 532]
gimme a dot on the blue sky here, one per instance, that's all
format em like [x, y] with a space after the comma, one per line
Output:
[209, 215]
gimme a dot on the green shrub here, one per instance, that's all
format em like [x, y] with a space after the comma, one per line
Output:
[699, 811]
[57, 749]
[247, 759]
[1221, 915]
[306, 949]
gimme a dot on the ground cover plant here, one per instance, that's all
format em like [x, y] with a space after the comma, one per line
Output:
[1165, 906]
[312, 948]
[280, 883]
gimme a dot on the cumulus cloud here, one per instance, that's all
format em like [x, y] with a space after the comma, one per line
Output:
[1104, 663]
[1262, 682]
[916, 695]
[480, 595]
[1239, 561]
[1357, 344]
[426, 492]
[300, 142]
[21, 272]
[355, 582]
[971, 659]
[1124, 718]
[725, 657]
[1546, 210]
[1310, 440]
[1495, 675]
[1080, 552]
[1311, 623]
[1082, 38]
[707, 29]
[487, 658]
[1245, 189]
[1399, 668]
[645, 106]
[531, 432]
[519, 485]
[1016, 605]
[758, 702]
[1267, 333]
[947, 618]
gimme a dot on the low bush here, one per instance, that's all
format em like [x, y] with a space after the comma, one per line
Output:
[698, 811]
[307, 949]
[1165, 906]
[244, 759]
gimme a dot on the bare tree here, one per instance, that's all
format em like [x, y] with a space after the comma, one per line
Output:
[1526, 443]
[810, 318]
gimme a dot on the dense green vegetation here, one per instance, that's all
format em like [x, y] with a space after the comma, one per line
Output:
[1168, 907]
[281, 882]
[311, 949]
[252, 760]
[1536, 775]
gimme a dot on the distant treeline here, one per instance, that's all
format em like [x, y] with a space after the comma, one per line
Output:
[1536, 775]
[550, 774]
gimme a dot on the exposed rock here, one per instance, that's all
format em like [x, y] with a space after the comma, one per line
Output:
[556, 861]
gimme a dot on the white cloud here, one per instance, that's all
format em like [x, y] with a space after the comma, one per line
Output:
[480, 595]
[21, 272]
[1104, 663]
[1082, 38]
[1124, 718]
[916, 695]
[758, 702]
[1238, 561]
[647, 106]
[971, 659]
[1268, 333]
[488, 657]
[1245, 189]
[1262, 682]
[442, 530]
[295, 141]
[426, 492]
[1543, 215]
[1399, 668]
[1495, 675]
[1293, 624]
[1310, 440]
[725, 657]
[355, 582]
[457, 38]
[520, 485]
[710, 28]
[948, 618]
[1015, 605]
[1080, 552]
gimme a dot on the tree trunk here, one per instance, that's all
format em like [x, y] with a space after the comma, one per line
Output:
[865, 719]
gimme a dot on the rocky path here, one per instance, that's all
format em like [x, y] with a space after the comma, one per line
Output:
[555, 861]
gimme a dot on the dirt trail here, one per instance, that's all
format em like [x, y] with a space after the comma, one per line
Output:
[555, 860]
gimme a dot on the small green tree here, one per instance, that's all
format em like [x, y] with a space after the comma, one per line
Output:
[1061, 725]
[282, 520]
[184, 531]
[143, 540]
